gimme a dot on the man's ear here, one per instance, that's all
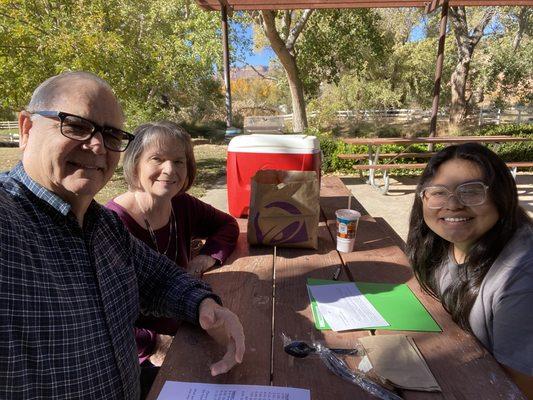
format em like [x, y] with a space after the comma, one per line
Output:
[25, 124]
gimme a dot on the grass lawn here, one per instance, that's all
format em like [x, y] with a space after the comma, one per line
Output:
[210, 160]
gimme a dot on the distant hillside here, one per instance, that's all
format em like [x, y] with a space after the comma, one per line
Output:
[248, 72]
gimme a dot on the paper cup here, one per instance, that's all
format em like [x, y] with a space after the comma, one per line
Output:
[345, 245]
[347, 221]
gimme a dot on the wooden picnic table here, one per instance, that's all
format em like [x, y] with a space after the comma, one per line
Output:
[266, 287]
[374, 153]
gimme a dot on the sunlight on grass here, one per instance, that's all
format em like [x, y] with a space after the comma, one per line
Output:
[210, 160]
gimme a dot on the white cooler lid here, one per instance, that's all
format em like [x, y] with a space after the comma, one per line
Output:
[265, 143]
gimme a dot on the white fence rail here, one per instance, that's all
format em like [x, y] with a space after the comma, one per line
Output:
[9, 124]
[509, 115]
[11, 136]
[483, 116]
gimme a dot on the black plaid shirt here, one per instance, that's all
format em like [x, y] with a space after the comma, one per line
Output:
[69, 297]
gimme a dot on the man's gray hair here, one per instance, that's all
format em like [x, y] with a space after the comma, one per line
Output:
[47, 92]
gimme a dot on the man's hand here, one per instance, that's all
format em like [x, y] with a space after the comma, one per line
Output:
[225, 327]
[200, 264]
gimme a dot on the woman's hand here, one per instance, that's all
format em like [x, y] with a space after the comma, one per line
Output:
[224, 326]
[162, 345]
[199, 264]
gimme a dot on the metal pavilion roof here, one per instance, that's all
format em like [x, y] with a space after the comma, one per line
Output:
[213, 5]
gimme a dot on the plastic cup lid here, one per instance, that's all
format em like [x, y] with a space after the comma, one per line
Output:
[350, 215]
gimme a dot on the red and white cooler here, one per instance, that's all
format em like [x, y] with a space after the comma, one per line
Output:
[248, 154]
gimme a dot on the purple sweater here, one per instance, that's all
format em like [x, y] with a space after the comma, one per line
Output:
[194, 219]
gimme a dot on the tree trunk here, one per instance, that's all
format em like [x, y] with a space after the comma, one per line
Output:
[288, 61]
[458, 108]
[466, 43]
[523, 21]
[299, 115]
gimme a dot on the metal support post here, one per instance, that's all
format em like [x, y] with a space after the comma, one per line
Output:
[230, 129]
[438, 68]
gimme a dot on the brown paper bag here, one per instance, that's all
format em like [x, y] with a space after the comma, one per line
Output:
[397, 359]
[284, 209]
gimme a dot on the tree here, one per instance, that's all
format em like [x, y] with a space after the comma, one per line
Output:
[316, 47]
[337, 42]
[157, 55]
[400, 22]
[256, 93]
[505, 73]
[524, 21]
[283, 42]
[466, 43]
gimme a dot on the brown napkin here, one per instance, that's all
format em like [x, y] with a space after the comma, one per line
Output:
[397, 359]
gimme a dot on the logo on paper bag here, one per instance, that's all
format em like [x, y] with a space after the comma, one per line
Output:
[295, 232]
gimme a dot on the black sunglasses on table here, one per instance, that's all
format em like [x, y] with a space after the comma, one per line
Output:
[79, 128]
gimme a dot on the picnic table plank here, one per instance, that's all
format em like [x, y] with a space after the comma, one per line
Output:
[245, 285]
[293, 317]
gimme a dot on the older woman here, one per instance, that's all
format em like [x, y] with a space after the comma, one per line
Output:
[471, 245]
[159, 167]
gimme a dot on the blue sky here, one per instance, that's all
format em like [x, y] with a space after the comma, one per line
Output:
[263, 57]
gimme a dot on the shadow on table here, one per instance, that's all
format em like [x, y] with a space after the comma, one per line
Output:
[380, 272]
[390, 232]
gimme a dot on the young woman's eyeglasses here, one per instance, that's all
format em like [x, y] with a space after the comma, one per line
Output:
[79, 128]
[468, 194]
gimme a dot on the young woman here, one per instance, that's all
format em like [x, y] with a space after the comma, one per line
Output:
[471, 246]
[159, 167]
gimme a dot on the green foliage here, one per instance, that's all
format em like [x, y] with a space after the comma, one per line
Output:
[505, 74]
[412, 72]
[513, 151]
[157, 55]
[351, 93]
[403, 80]
[331, 148]
[357, 38]
[522, 130]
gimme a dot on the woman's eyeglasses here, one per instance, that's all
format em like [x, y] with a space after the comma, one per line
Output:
[468, 194]
[79, 128]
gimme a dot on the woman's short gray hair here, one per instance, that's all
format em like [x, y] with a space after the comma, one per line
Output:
[145, 135]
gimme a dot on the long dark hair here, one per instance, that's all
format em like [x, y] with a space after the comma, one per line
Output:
[427, 251]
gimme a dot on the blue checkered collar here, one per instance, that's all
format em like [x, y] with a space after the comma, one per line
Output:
[44, 194]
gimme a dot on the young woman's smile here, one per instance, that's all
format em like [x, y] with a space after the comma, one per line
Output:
[459, 224]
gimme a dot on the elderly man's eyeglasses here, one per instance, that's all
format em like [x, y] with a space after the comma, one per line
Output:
[79, 128]
[468, 194]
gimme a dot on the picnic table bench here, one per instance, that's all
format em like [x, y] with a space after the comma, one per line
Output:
[266, 287]
[375, 157]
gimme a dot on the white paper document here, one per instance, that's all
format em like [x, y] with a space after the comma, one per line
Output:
[173, 390]
[344, 307]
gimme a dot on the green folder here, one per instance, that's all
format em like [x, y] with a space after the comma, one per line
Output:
[395, 302]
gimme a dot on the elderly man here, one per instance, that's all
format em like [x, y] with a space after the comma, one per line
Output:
[72, 279]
